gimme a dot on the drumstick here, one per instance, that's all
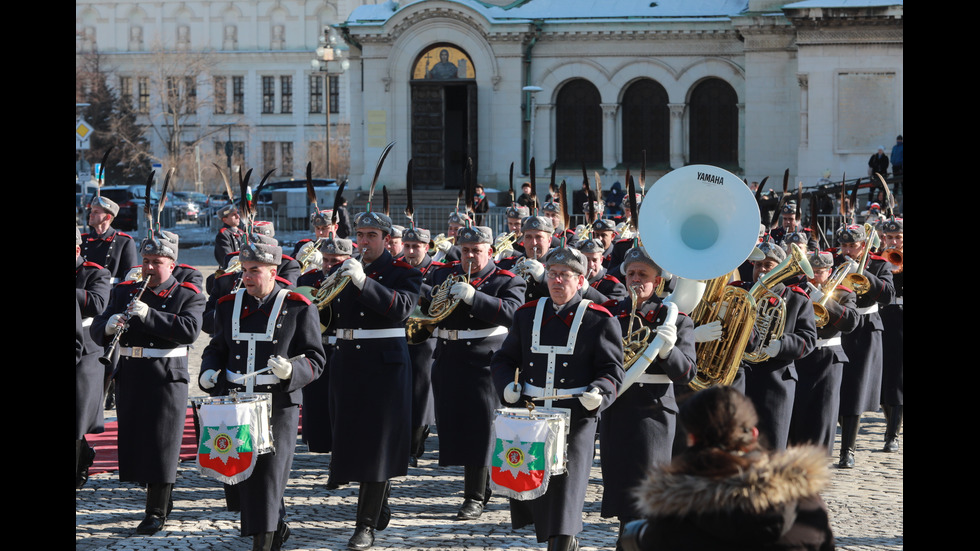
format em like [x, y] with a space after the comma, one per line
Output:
[567, 396]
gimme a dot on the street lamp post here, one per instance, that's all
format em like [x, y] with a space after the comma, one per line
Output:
[530, 91]
[331, 58]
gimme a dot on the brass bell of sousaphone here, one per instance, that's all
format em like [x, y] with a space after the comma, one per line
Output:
[699, 223]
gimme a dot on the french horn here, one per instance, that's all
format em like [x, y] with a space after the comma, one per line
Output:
[420, 323]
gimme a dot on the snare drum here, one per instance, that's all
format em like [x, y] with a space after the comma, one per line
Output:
[234, 431]
[530, 446]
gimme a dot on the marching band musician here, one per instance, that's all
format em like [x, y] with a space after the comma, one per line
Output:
[515, 215]
[229, 238]
[625, 243]
[604, 230]
[289, 269]
[538, 232]
[183, 273]
[112, 249]
[370, 374]
[447, 250]
[152, 373]
[598, 277]
[818, 387]
[593, 370]
[771, 384]
[395, 245]
[91, 295]
[265, 325]
[788, 223]
[465, 397]
[892, 339]
[637, 430]
[552, 211]
[308, 251]
[416, 242]
[316, 396]
[861, 385]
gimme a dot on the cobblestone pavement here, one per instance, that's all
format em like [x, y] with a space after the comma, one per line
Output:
[866, 505]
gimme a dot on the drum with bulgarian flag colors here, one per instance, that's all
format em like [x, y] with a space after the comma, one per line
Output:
[529, 447]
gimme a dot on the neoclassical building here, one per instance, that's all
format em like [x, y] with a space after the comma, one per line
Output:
[755, 86]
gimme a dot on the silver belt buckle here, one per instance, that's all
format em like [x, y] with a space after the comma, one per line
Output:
[137, 352]
[452, 334]
[347, 334]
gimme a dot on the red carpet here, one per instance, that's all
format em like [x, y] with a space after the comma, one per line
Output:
[107, 449]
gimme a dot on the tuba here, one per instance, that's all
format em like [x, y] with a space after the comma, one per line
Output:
[770, 319]
[706, 223]
[420, 324]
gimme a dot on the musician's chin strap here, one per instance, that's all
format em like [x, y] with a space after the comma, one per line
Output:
[554, 351]
[253, 338]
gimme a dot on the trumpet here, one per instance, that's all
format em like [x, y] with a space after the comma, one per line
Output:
[234, 266]
[895, 257]
[504, 242]
[307, 254]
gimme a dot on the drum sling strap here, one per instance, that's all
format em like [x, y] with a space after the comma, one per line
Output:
[554, 351]
[252, 338]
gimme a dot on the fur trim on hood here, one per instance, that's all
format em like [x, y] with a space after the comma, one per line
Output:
[772, 482]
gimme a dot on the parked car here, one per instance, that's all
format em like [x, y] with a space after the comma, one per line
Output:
[131, 200]
[188, 204]
[265, 196]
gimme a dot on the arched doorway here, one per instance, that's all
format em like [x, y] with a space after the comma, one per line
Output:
[646, 124]
[714, 124]
[444, 109]
[578, 125]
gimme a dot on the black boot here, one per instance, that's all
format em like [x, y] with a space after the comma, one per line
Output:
[385, 516]
[623, 521]
[562, 543]
[110, 396]
[476, 492]
[282, 534]
[84, 457]
[232, 499]
[848, 438]
[370, 501]
[893, 415]
[419, 434]
[157, 508]
[263, 542]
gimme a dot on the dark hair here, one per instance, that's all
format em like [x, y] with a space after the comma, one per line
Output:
[722, 420]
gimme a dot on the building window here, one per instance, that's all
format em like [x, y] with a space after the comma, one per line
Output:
[268, 95]
[286, 158]
[172, 100]
[238, 95]
[126, 92]
[714, 124]
[316, 93]
[334, 94]
[143, 85]
[237, 151]
[190, 95]
[286, 91]
[646, 124]
[578, 128]
[220, 95]
[268, 156]
[278, 156]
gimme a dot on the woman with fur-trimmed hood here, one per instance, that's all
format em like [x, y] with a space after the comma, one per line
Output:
[727, 492]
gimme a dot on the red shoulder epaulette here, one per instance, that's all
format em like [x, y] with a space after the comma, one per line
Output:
[876, 257]
[609, 277]
[228, 274]
[287, 257]
[283, 280]
[124, 234]
[190, 286]
[609, 303]
[187, 266]
[506, 273]
[437, 264]
[91, 264]
[532, 304]
[293, 295]
[600, 308]
[799, 290]
[127, 282]
[843, 288]
[229, 296]
[401, 263]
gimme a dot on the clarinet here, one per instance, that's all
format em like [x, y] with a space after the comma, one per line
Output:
[107, 358]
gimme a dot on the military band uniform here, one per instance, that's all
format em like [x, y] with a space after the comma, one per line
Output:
[597, 362]
[288, 270]
[294, 333]
[637, 430]
[893, 358]
[608, 286]
[316, 395]
[227, 242]
[223, 285]
[771, 384]
[151, 383]
[370, 374]
[423, 406]
[91, 298]
[820, 372]
[113, 250]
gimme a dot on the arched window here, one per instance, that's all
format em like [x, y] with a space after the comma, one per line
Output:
[578, 125]
[714, 124]
[646, 124]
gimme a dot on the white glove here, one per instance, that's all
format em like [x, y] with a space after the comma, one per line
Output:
[535, 268]
[852, 266]
[708, 332]
[115, 324]
[772, 348]
[506, 253]
[591, 400]
[281, 367]
[462, 291]
[513, 393]
[208, 379]
[668, 333]
[355, 270]
[815, 293]
[139, 309]
[445, 246]
[134, 274]
[315, 261]
[722, 310]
